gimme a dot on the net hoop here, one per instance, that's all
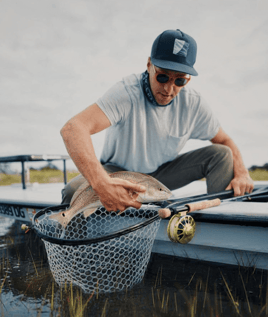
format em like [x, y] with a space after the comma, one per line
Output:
[61, 241]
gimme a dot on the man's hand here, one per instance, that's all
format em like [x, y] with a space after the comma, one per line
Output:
[119, 194]
[241, 185]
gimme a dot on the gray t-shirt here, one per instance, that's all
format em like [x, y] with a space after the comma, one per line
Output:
[142, 136]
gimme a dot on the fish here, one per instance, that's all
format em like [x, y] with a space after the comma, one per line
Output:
[87, 201]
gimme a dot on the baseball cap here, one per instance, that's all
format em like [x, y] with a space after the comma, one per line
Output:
[175, 50]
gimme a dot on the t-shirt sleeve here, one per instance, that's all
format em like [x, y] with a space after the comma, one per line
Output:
[204, 122]
[115, 103]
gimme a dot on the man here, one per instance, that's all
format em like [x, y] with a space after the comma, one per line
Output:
[150, 117]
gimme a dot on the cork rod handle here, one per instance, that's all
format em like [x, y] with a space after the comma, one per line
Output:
[203, 204]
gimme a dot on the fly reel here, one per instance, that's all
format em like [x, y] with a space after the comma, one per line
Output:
[181, 228]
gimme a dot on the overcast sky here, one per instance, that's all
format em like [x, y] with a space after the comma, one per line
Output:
[58, 57]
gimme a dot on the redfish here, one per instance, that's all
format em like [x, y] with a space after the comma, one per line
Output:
[87, 201]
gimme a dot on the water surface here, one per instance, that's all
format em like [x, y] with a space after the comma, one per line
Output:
[171, 286]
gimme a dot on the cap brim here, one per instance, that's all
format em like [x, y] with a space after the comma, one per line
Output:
[174, 66]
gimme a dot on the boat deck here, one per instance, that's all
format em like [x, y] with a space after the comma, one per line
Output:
[51, 193]
[39, 193]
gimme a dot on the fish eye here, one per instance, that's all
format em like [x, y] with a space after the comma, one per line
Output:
[160, 188]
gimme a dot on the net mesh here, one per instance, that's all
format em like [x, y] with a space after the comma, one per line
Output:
[105, 266]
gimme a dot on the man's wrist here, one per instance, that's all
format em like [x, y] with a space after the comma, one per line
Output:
[99, 179]
[241, 171]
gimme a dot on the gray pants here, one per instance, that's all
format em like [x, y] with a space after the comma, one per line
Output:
[214, 162]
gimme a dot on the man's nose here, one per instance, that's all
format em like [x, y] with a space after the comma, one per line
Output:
[168, 87]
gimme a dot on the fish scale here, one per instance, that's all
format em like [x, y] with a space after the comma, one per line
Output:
[87, 201]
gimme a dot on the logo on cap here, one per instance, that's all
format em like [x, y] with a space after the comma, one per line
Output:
[180, 47]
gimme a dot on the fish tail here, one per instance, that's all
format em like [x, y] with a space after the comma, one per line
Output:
[60, 217]
[64, 217]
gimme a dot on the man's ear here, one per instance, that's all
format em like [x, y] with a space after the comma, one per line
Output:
[149, 63]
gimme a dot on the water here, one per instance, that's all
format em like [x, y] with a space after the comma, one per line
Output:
[171, 286]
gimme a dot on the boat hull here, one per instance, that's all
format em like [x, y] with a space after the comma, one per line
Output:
[232, 233]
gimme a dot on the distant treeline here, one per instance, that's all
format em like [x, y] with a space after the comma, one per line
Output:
[48, 167]
[256, 167]
[5, 168]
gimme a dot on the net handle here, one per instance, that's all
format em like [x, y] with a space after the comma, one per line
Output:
[116, 234]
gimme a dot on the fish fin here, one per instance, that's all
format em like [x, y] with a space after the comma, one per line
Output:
[89, 211]
[79, 190]
[125, 175]
[120, 212]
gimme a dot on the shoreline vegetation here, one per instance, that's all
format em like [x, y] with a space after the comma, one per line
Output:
[56, 176]
[37, 176]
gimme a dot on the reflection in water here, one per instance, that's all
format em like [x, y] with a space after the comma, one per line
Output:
[5, 225]
[171, 286]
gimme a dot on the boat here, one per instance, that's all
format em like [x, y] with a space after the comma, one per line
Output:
[235, 232]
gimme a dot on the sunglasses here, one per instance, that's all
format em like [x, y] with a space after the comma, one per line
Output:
[163, 78]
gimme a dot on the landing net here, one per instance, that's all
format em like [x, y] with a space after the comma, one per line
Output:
[104, 252]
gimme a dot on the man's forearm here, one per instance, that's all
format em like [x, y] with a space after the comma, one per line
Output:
[239, 166]
[114, 193]
[241, 183]
[79, 145]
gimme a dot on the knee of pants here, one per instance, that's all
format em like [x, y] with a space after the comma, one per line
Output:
[223, 150]
[224, 153]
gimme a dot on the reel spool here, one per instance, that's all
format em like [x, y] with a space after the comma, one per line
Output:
[181, 228]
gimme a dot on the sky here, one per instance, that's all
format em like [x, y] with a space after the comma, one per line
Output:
[58, 57]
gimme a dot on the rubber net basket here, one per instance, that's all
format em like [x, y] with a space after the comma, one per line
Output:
[104, 252]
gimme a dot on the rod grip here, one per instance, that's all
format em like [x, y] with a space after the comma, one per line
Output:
[164, 213]
[203, 204]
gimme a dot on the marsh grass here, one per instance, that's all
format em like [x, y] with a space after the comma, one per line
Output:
[45, 176]
[259, 175]
[171, 287]
[211, 290]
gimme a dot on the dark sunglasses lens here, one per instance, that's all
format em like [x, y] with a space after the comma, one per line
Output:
[162, 78]
[180, 82]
